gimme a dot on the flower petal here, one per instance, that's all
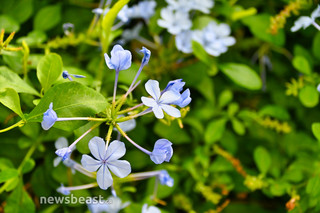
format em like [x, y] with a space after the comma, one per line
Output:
[150, 102]
[157, 110]
[152, 87]
[61, 142]
[170, 110]
[104, 177]
[97, 148]
[169, 97]
[89, 163]
[115, 150]
[108, 61]
[121, 168]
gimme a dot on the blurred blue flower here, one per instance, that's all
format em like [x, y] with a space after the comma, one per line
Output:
[64, 153]
[305, 21]
[150, 209]
[127, 126]
[318, 87]
[123, 14]
[187, 5]
[184, 41]
[68, 28]
[120, 58]
[214, 38]
[144, 9]
[162, 151]
[165, 178]
[105, 160]
[111, 205]
[100, 11]
[146, 56]
[60, 143]
[63, 190]
[66, 75]
[175, 21]
[185, 99]
[159, 101]
[49, 118]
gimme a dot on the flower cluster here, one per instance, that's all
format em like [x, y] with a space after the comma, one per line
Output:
[215, 38]
[107, 154]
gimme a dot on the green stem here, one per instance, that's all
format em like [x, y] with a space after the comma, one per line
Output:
[108, 137]
[29, 154]
[108, 21]
[19, 124]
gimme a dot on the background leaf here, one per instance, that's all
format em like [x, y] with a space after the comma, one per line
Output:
[70, 99]
[10, 98]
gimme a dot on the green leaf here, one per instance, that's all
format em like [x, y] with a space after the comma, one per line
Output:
[260, 27]
[47, 18]
[316, 130]
[82, 145]
[203, 56]
[242, 75]
[19, 201]
[21, 10]
[262, 159]
[302, 65]
[215, 130]
[238, 126]
[10, 98]
[7, 174]
[28, 166]
[275, 111]
[225, 98]
[9, 79]
[172, 133]
[49, 69]
[309, 96]
[8, 24]
[70, 99]
[33, 38]
[201, 22]
[313, 186]
[315, 45]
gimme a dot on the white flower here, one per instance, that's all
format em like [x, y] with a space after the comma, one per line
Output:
[183, 41]
[215, 38]
[175, 21]
[305, 21]
[187, 5]
[151, 209]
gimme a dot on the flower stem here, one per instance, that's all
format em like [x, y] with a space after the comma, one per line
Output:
[108, 137]
[129, 109]
[83, 135]
[82, 119]
[316, 25]
[131, 141]
[19, 124]
[86, 186]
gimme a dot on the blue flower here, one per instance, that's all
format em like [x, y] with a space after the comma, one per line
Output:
[162, 151]
[318, 87]
[146, 56]
[214, 38]
[159, 101]
[111, 205]
[184, 41]
[177, 86]
[120, 58]
[175, 21]
[165, 178]
[60, 143]
[105, 160]
[63, 190]
[49, 118]
[66, 75]
[64, 153]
